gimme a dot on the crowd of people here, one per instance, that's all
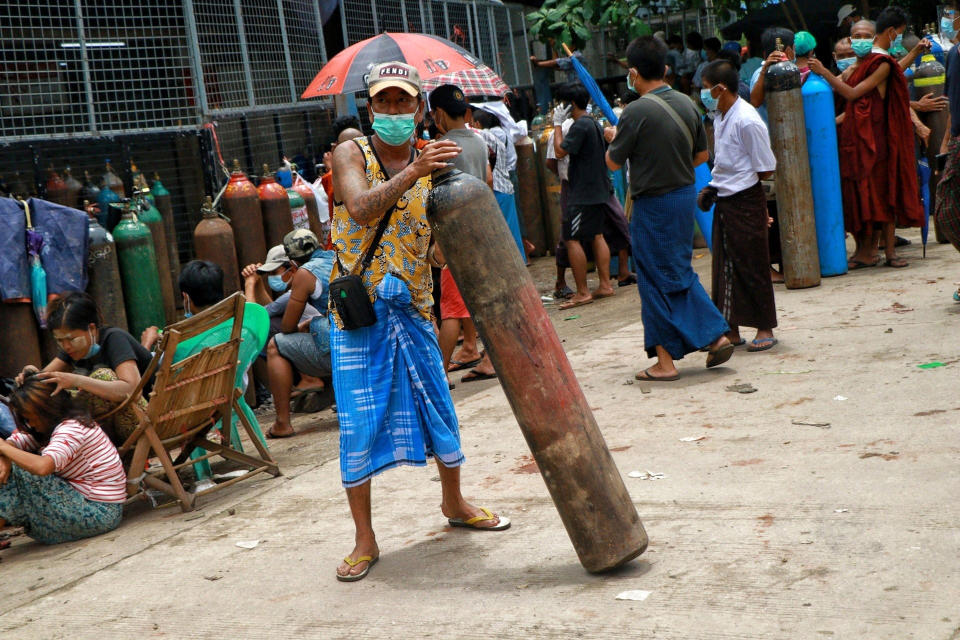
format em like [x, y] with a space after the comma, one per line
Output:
[374, 313]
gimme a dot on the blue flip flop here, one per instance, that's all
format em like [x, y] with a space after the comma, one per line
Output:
[762, 344]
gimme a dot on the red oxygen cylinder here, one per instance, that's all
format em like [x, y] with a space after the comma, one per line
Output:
[242, 205]
[73, 189]
[213, 241]
[56, 188]
[19, 340]
[275, 207]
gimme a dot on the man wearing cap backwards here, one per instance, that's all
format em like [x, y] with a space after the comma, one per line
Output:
[298, 270]
[392, 397]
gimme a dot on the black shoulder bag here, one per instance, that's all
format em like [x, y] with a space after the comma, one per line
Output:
[348, 295]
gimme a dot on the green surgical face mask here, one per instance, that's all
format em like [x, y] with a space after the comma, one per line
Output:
[395, 130]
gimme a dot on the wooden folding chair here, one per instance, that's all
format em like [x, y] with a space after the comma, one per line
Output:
[187, 399]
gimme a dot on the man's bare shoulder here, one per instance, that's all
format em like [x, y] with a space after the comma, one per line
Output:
[347, 156]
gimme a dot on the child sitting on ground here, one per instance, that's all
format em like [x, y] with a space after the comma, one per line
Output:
[60, 476]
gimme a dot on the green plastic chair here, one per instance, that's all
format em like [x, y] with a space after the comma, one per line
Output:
[256, 328]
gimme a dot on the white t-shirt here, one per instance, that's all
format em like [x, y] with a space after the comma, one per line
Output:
[563, 164]
[741, 146]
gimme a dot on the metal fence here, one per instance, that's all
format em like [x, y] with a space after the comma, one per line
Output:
[84, 81]
[75, 68]
[493, 32]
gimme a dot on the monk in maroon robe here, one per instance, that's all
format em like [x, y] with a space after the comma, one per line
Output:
[877, 160]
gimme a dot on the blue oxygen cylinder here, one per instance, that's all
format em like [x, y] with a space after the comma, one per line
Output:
[818, 112]
[704, 218]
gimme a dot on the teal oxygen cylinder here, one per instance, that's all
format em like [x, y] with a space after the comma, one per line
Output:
[822, 151]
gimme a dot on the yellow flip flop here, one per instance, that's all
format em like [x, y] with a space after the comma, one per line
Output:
[363, 574]
[471, 523]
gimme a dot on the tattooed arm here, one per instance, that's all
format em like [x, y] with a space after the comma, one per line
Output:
[365, 204]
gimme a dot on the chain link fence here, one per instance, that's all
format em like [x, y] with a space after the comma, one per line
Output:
[134, 81]
[85, 68]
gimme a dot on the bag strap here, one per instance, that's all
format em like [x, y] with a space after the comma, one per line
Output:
[663, 104]
[384, 219]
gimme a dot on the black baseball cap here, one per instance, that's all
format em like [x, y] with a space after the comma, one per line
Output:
[450, 98]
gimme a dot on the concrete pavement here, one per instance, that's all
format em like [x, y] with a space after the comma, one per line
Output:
[823, 505]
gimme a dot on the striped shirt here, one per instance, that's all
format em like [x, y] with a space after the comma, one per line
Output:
[82, 456]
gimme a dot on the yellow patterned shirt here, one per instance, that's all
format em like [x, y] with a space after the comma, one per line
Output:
[403, 248]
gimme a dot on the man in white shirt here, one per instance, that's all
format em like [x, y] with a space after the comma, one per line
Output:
[742, 286]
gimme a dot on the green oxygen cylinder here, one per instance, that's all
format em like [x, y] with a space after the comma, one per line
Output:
[164, 203]
[138, 271]
[150, 216]
[298, 210]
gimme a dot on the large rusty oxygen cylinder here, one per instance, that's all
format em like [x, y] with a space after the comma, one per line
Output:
[242, 206]
[164, 204]
[213, 241]
[103, 271]
[788, 136]
[73, 189]
[550, 196]
[529, 195]
[56, 188]
[929, 79]
[313, 210]
[275, 207]
[19, 339]
[150, 216]
[536, 376]
[137, 258]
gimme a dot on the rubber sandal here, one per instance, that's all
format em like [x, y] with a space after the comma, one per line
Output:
[853, 265]
[562, 294]
[296, 393]
[718, 356]
[363, 574]
[456, 365]
[738, 343]
[476, 376]
[897, 263]
[762, 344]
[271, 436]
[578, 303]
[471, 523]
[646, 376]
[600, 296]
[626, 282]
[956, 296]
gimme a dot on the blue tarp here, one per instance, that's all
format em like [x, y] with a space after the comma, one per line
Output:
[14, 268]
[66, 242]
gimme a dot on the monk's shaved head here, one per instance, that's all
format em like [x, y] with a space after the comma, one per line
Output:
[863, 29]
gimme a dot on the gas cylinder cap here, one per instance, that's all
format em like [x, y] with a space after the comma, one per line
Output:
[236, 165]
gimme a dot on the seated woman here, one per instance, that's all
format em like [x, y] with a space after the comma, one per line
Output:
[60, 476]
[103, 364]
